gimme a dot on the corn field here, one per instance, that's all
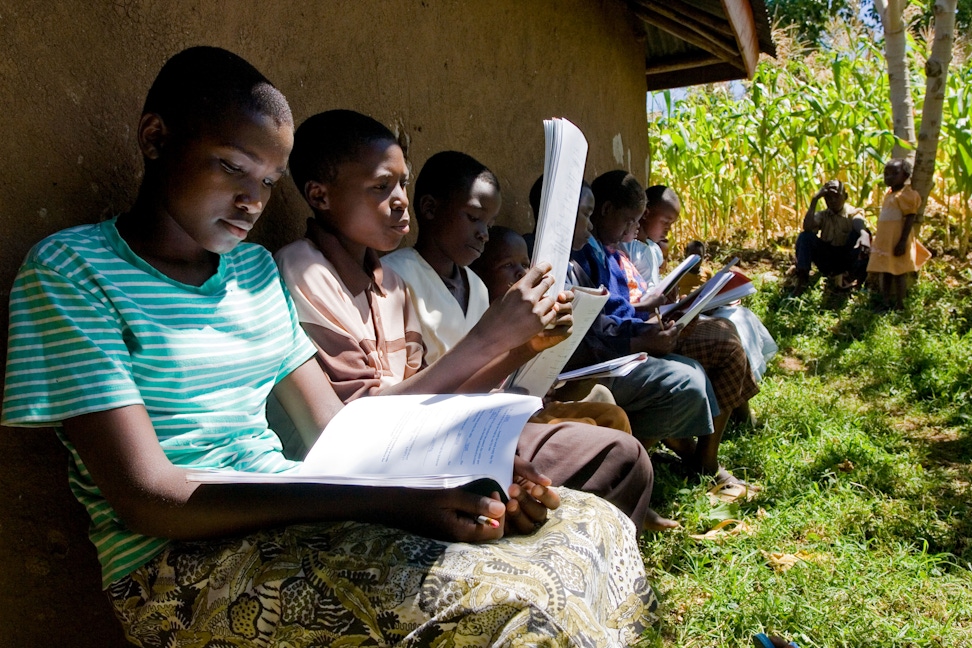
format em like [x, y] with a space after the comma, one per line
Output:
[746, 157]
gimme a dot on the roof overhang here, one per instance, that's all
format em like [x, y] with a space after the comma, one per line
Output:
[688, 42]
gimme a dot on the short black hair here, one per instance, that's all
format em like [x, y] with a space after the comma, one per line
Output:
[447, 172]
[657, 194]
[328, 139]
[902, 164]
[695, 247]
[536, 194]
[837, 186]
[619, 188]
[201, 85]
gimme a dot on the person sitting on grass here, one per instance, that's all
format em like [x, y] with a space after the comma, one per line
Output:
[620, 202]
[836, 239]
[667, 396]
[352, 173]
[897, 254]
[663, 208]
[504, 262]
[151, 342]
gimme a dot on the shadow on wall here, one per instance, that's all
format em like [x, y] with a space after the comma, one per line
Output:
[48, 567]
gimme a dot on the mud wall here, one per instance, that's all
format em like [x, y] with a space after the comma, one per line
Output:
[473, 76]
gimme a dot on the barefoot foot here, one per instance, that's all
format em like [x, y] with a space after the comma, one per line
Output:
[655, 522]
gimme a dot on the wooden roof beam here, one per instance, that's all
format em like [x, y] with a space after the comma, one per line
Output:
[677, 64]
[740, 15]
[683, 9]
[693, 33]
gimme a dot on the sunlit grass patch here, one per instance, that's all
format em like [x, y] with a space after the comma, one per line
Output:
[862, 534]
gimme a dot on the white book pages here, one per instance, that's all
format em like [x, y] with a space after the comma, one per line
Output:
[538, 375]
[610, 368]
[709, 291]
[563, 174]
[675, 275]
[413, 441]
[730, 297]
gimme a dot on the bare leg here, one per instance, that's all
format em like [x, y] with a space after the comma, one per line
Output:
[901, 289]
[707, 449]
[684, 448]
[702, 456]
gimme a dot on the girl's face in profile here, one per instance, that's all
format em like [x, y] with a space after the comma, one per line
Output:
[218, 183]
[366, 202]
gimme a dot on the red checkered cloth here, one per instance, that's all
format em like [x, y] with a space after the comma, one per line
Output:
[714, 343]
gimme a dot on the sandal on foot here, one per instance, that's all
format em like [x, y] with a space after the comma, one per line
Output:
[729, 492]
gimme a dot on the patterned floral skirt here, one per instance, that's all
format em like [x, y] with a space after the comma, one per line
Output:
[579, 580]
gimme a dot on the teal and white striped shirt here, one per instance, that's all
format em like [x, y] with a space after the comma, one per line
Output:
[94, 327]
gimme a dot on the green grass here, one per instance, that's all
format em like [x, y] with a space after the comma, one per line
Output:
[865, 456]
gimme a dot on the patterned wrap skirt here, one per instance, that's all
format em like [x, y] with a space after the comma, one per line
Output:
[579, 580]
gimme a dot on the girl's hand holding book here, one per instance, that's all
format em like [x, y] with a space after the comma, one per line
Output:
[452, 515]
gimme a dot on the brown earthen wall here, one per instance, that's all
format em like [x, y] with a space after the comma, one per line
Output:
[473, 76]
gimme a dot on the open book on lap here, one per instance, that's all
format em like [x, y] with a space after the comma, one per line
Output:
[409, 441]
[670, 280]
[738, 286]
[703, 298]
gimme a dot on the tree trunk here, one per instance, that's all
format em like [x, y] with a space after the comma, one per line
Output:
[899, 83]
[936, 74]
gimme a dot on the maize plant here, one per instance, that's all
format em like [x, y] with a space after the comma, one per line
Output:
[745, 157]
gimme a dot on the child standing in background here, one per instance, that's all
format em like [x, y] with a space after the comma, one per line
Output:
[895, 252]
[697, 275]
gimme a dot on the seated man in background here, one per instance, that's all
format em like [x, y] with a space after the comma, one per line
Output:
[836, 239]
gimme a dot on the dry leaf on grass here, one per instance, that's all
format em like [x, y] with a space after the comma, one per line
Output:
[781, 562]
[732, 493]
[720, 531]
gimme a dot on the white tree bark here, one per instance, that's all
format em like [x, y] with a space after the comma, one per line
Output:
[936, 74]
[895, 53]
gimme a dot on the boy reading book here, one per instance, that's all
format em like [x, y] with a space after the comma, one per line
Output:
[352, 172]
[663, 208]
